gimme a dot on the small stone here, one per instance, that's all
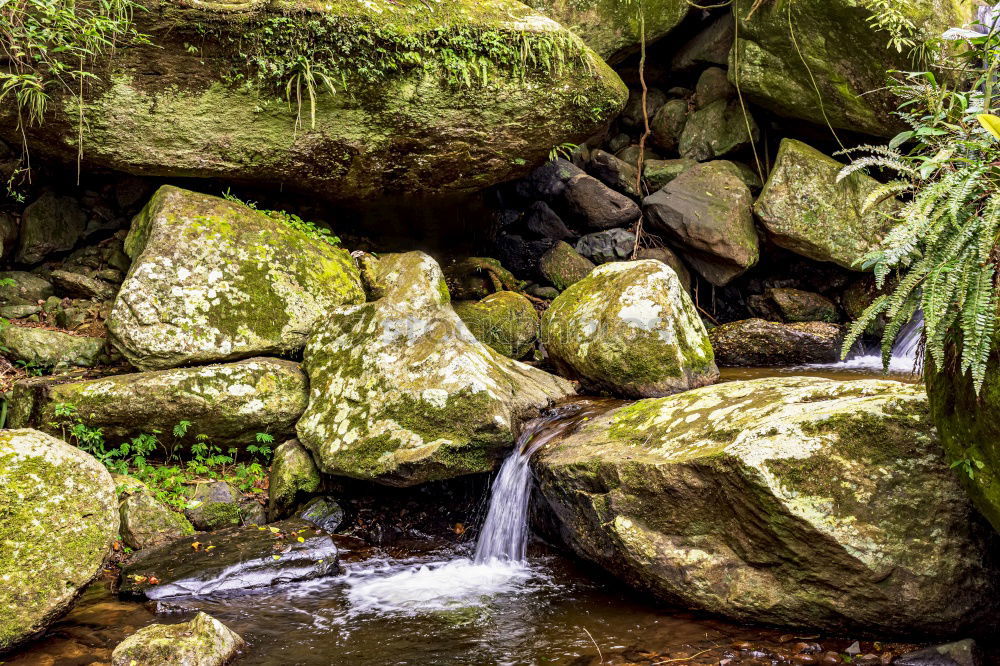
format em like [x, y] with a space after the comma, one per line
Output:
[49, 349]
[630, 154]
[542, 291]
[618, 142]
[323, 512]
[606, 246]
[668, 124]
[293, 477]
[203, 641]
[718, 129]
[853, 649]
[613, 172]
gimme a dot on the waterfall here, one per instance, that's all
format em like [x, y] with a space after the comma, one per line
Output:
[904, 357]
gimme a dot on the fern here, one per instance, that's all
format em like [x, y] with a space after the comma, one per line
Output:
[943, 243]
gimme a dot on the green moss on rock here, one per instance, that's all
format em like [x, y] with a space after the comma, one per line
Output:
[506, 322]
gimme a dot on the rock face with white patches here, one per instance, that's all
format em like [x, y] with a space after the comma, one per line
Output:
[630, 328]
[793, 501]
[214, 280]
[229, 402]
[58, 518]
[400, 392]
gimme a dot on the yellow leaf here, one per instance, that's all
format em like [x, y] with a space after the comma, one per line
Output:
[301, 540]
[277, 557]
[274, 530]
[991, 123]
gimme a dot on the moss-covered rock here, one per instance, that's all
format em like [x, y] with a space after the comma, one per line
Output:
[611, 27]
[718, 129]
[630, 328]
[798, 305]
[760, 343]
[58, 518]
[218, 505]
[51, 224]
[793, 501]
[670, 258]
[707, 210]
[292, 478]
[658, 173]
[45, 348]
[452, 97]
[202, 641]
[400, 390]
[506, 322]
[822, 61]
[145, 521]
[213, 280]
[806, 210]
[564, 266]
[228, 402]
[26, 288]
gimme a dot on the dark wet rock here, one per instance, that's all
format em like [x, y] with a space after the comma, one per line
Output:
[605, 246]
[563, 266]
[716, 130]
[8, 234]
[959, 653]
[543, 221]
[657, 173]
[323, 512]
[759, 343]
[51, 224]
[521, 254]
[713, 85]
[632, 116]
[707, 210]
[78, 285]
[218, 505]
[670, 258]
[542, 291]
[630, 155]
[293, 477]
[202, 641]
[231, 560]
[28, 288]
[709, 47]
[798, 305]
[618, 142]
[506, 322]
[668, 124]
[613, 172]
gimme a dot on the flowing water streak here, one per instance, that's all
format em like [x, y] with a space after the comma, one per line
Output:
[905, 357]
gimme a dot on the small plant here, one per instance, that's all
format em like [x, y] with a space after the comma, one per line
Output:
[563, 150]
[32, 368]
[311, 78]
[310, 229]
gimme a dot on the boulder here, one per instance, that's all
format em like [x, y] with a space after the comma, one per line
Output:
[213, 280]
[797, 305]
[58, 519]
[42, 348]
[506, 322]
[709, 47]
[604, 246]
[629, 328]
[707, 211]
[716, 130]
[8, 235]
[521, 254]
[612, 28]
[657, 173]
[292, 478]
[844, 82]
[668, 124]
[201, 641]
[78, 285]
[542, 220]
[231, 560]
[51, 224]
[563, 266]
[442, 99]
[27, 288]
[218, 505]
[759, 343]
[958, 653]
[145, 521]
[630, 154]
[579, 197]
[323, 512]
[670, 258]
[473, 278]
[792, 501]
[617, 174]
[632, 115]
[806, 210]
[713, 85]
[230, 402]
[402, 393]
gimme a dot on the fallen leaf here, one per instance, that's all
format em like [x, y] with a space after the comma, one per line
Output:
[459, 528]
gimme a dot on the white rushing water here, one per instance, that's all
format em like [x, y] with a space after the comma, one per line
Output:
[499, 564]
[904, 352]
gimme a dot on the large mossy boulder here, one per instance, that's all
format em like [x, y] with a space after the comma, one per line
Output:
[707, 211]
[44, 348]
[201, 641]
[58, 519]
[793, 501]
[630, 328]
[506, 322]
[214, 280]
[969, 426]
[401, 392]
[823, 61]
[612, 27]
[228, 402]
[806, 210]
[430, 98]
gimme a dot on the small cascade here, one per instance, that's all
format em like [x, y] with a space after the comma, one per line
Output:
[905, 357]
[500, 563]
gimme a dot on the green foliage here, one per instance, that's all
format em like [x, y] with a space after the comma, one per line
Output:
[310, 229]
[888, 17]
[563, 150]
[169, 479]
[944, 242]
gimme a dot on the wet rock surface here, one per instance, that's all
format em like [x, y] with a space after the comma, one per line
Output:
[760, 343]
[237, 559]
[203, 641]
